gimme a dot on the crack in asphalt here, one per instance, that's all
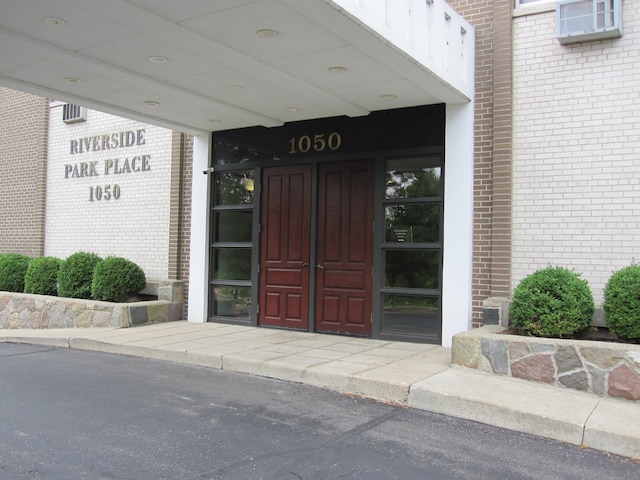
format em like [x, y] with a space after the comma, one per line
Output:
[312, 451]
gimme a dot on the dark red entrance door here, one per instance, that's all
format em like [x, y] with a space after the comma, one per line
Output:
[284, 253]
[344, 247]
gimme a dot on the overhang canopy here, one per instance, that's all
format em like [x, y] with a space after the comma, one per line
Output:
[205, 65]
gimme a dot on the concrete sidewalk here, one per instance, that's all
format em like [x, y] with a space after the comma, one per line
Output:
[409, 374]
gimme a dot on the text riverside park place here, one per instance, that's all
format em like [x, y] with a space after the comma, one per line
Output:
[109, 166]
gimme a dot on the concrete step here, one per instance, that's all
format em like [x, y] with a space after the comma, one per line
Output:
[579, 418]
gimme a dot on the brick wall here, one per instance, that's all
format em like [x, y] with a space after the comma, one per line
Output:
[492, 157]
[140, 224]
[23, 162]
[185, 224]
[576, 180]
[175, 205]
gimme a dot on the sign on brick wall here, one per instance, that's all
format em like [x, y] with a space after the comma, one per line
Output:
[109, 186]
[108, 167]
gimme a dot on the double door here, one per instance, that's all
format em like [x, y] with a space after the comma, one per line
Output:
[316, 247]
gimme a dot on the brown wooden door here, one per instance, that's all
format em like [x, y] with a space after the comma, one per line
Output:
[345, 248]
[343, 268]
[285, 247]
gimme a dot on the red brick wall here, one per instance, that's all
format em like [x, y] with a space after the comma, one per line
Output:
[24, 124]
[492, 170]
[184, 233]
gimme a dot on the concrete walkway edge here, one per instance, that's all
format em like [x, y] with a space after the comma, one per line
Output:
[570, 416]
[610, 425]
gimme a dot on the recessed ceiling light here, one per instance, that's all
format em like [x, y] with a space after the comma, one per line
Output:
[215, 120]
[267, 33]
[72, 80]
[293, 109]
[233, 87]
[54, 22]
[151, 103]
[338, 69]
[158, 59]
[388, 96]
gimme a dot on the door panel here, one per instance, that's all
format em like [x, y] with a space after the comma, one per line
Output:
[345, 248]
[284, 240]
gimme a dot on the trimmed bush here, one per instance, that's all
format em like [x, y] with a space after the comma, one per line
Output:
[553, 302]
[76, 274]
[115, 279]
[13, 267]
[622, 302]
[42, 276]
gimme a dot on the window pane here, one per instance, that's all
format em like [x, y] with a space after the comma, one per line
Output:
[407, 179]
[412, 268]
[232, 264]
[412, 223]
[234, 188]
[411, 314]
[231, 301]
[233, 225]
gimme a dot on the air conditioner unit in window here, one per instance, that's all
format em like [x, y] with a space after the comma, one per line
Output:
[73, 113]
[587, 20]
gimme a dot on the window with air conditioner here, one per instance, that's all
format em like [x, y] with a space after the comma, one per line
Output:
[588, 20]
[73, 113]
[520, 3]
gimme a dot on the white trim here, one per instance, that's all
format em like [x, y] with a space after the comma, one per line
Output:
[457, 263]
[534, 7]
[199, 253]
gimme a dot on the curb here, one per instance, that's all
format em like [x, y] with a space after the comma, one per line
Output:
[570, 416]
[578, 418]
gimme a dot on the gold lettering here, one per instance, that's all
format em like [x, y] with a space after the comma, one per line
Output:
[318, 142]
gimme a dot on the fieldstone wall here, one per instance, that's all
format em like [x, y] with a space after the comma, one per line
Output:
[606, 369]
[22, 310]
[19, 310]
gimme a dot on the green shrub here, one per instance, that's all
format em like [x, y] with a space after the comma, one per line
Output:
[13, 267]
[622, 302]
[553, 302]
[116, 278]
[76, 274]
[42, 276]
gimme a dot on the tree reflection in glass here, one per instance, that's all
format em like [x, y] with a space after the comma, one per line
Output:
[412, 182]
[412, 223]
[232, 264]
[234, 188]
[412, 269]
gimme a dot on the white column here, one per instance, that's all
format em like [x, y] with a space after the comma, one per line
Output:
[199, 253]
[458, 222]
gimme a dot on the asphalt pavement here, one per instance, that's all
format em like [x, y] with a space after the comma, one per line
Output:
[70, 414]
[398, 373]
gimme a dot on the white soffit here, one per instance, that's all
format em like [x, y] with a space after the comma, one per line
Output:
[214, 65]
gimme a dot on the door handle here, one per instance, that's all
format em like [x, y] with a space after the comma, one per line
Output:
[321, 267]
[305, 264]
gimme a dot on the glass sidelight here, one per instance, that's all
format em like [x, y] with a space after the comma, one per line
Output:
[231, 249]
[411, 314]
[412, 247]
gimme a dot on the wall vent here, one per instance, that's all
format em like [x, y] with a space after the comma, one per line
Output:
[588, 20]
[73, 113]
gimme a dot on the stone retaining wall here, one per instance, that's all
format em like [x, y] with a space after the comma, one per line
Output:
[607, 369]
[22, 310]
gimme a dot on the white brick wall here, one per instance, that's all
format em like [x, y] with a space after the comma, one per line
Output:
[576, 144]
[135, 226]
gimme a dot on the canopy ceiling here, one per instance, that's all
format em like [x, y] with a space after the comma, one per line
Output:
[204, 65]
